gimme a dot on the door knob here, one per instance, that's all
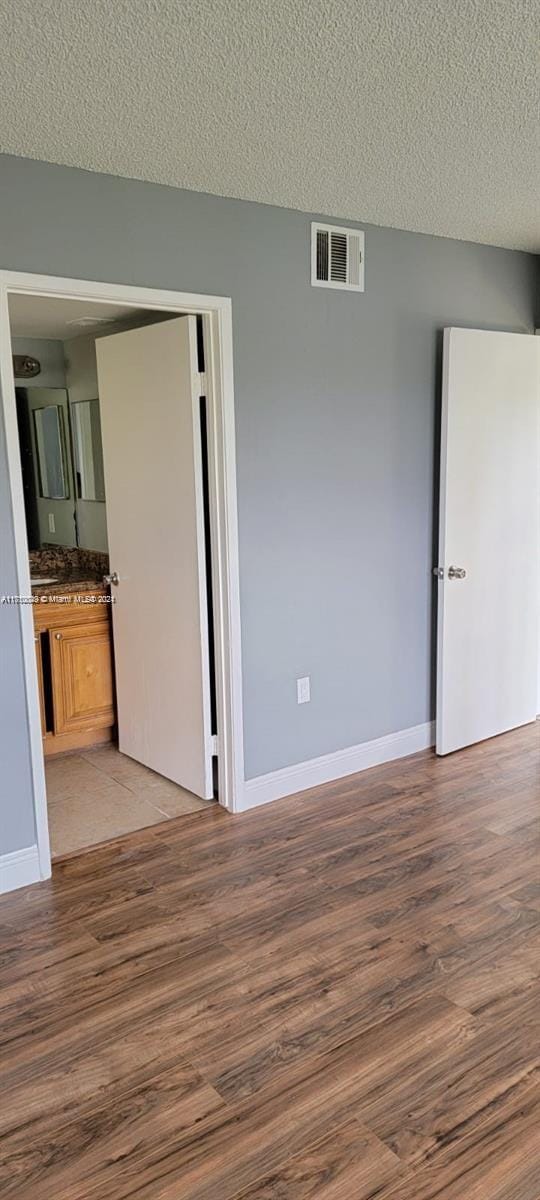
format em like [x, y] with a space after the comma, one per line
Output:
[456, 573]
[112, 578]
[58, 637]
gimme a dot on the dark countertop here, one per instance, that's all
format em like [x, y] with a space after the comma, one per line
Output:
[66, 582]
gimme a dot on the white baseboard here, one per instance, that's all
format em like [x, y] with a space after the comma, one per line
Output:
[19, 868]
[328, 767]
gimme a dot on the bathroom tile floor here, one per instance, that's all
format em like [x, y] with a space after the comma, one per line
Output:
[99, 794]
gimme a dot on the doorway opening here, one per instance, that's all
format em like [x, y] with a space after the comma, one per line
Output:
[121, 447]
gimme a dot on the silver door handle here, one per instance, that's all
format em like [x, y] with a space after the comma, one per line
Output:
[456, 573]
[112, 578]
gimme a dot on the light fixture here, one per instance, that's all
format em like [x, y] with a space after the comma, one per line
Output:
[87, 322]
[25, 367]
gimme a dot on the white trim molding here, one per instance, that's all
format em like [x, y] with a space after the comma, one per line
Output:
[298, 778]
[19, 868]
[216, 312]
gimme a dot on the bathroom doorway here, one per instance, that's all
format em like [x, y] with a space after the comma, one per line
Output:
[81, 667]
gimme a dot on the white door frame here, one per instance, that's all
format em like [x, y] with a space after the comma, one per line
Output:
[216, 312]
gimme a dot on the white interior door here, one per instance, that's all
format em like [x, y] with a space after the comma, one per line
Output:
[149, 401]
[488, 612]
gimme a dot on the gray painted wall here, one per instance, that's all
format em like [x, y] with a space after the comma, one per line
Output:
[336, 403]
[17, 827]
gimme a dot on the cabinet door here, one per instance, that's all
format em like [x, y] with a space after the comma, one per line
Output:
[39, 661]
[82, 676]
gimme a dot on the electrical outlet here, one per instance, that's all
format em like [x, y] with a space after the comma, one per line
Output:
[303, 690]
[52, 526]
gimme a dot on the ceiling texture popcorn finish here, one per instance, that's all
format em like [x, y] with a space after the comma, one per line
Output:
[421, 114]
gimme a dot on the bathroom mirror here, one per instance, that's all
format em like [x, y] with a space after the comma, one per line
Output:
[51, 452]
[87, 450]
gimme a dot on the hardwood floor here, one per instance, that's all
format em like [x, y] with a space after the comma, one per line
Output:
[331, 998]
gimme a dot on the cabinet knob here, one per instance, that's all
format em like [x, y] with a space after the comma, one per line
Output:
[58, 637]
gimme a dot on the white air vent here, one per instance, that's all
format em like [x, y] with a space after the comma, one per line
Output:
[337, 258]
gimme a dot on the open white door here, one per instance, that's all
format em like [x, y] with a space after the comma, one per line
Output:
[149, 401]
[489, 538]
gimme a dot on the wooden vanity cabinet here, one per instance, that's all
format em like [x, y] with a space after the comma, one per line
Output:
[82, 677]
[75, 674]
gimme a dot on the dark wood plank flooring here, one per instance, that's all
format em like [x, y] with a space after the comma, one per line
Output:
[333, 997]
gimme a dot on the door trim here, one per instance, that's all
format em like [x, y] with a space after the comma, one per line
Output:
[216, 312]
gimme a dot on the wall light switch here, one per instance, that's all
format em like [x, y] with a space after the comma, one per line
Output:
[52, 527]
[303, 690]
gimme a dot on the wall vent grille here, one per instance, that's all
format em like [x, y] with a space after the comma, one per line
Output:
[337, 257]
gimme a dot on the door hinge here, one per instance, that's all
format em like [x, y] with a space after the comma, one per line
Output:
[214, 745]
[202, 383]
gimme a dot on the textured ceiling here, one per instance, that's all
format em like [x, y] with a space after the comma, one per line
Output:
[421, 114]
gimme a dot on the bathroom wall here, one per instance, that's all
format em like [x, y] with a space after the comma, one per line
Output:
[81, 382]
[50, 354]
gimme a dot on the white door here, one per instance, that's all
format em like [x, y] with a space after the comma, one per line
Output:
[149, 401]
[489, 537]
